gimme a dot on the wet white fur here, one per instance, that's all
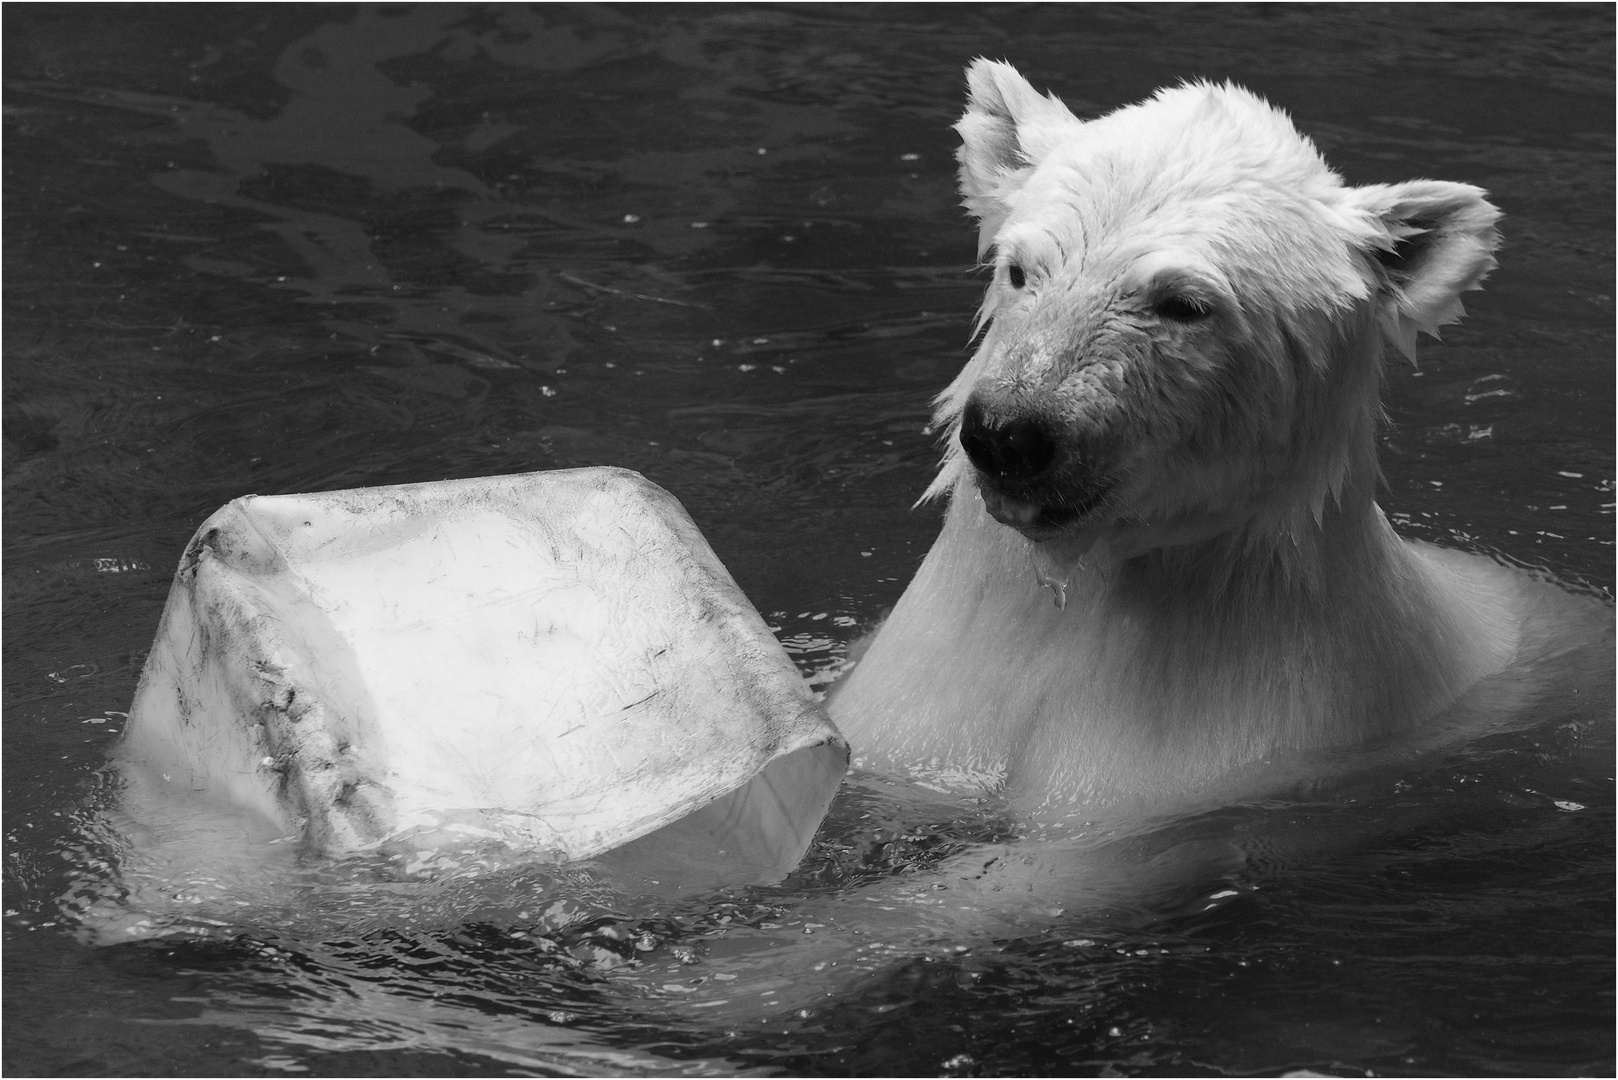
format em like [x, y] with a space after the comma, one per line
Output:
[1246, 597]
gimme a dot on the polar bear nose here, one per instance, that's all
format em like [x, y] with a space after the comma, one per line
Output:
[1016, 448]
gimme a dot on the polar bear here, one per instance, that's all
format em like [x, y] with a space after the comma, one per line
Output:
[1169, 429]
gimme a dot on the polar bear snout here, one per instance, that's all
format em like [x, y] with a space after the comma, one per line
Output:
[1008, 449]
[1029, 476]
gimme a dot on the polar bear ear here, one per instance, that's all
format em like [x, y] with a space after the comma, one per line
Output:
[1434, 240]
[1008, 126]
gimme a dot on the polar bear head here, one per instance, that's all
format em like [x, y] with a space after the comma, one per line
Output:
[1185, 330]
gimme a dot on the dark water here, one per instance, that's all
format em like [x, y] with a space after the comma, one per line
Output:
[267, 248]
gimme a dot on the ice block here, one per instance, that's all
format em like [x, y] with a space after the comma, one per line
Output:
[556, 661]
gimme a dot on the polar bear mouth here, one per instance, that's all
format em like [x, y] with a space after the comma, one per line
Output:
[1036, 520]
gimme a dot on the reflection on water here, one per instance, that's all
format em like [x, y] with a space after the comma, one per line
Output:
[284, 248]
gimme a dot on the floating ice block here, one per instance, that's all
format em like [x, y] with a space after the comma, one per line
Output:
[556, 661]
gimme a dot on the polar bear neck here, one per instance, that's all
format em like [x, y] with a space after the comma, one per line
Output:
[1167, 672]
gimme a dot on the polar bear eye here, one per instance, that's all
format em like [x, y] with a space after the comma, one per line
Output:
[1018, 278]
[1185, 309]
